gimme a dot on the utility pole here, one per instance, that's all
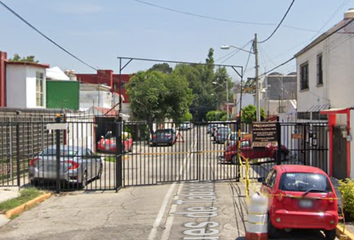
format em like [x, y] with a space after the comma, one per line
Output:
[255, 46]
[227, 100]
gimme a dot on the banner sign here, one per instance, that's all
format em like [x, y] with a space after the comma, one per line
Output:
[264, 133]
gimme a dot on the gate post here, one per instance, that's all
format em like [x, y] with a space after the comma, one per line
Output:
[57, 143]
[278, 161]
[119, 150]
[18, 153]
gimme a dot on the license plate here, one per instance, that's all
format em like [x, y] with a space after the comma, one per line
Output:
[306, 203]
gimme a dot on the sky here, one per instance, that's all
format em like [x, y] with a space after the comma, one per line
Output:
[100, 31]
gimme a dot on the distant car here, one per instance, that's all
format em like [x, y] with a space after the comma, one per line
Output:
[247, 151]
[164, 136]
[300, 197]
[221, 134]
[185, 126]
[210, 127]
[108, 143]
[77, 165]
[232, 139]
[215, 129]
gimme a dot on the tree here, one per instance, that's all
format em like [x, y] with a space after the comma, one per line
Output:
[17, 58]
[221, 77]
[162, 67]
[249, 114]
[216, 116]
[155, 96]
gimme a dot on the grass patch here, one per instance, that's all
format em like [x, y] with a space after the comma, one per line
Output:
[110, 159]
[25, 195]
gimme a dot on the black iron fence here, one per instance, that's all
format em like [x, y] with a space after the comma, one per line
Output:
[85, 152]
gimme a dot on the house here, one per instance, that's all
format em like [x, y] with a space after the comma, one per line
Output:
[95, 95]
[279, 94]
[325, 89]
[25, 85]
[111, 80]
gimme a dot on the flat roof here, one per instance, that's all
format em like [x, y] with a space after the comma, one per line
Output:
[28, 64]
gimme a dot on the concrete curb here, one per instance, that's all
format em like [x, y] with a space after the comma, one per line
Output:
[347, 235]
[25, 206]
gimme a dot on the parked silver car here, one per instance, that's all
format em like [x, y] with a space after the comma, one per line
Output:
[77, 165]
[221, 133]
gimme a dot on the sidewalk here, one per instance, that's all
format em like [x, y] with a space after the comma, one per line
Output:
[7, 193]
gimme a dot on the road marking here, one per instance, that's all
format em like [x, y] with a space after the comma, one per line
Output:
[158, 220]
[166, 233]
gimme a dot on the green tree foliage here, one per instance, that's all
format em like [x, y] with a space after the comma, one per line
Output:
[221, 80]
[346, 189]
[17, 58]
[162, 67]
[187, 117]
[216, 116]
[155, 96]
[249, 114]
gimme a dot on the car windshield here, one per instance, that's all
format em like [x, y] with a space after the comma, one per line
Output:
[224, 130]
[63, 152]
[233, 137]
[163, 131]
[303, 182]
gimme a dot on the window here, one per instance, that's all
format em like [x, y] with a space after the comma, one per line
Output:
[319, 70]
[302, 182]
[304, 76]
[272, 179]
[39, 89]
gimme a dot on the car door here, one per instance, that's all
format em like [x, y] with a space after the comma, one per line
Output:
[95, 162]
[246, 149]
[88, 160]
[269, 186]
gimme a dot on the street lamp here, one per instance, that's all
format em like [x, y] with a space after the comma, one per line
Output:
[227, 97]
[255, 52]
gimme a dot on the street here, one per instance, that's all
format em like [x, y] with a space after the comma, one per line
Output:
[164, 212]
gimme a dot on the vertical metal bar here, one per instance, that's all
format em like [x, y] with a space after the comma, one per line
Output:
[119, 149]
[57, 132]
[18, 153]
[279, 142]
[304, 144]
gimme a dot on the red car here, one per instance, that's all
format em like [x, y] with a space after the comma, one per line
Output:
[108, 143]
[300, 197]
[247, 151]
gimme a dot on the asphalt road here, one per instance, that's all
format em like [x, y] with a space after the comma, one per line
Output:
[169, 211]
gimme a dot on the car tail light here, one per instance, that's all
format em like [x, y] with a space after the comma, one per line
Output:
[331, 197]
[168, 135]
[153, 136]
[279, 195]
[73, 165]
[33, 162]
[219, 134]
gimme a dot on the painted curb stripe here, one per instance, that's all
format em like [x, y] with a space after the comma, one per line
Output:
[23, 207]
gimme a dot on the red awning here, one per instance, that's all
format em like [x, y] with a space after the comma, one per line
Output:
[335, 111]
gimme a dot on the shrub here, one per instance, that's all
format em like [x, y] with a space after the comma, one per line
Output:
[346, 188]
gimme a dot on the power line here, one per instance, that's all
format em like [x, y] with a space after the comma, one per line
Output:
[46, 37]
[218, 19]
[286, 13]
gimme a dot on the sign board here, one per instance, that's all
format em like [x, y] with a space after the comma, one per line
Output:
[57, 126]
[296, 136]
[264, 133]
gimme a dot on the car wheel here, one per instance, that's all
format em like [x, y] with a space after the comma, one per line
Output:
[234, 159]
[331, 234]
[84, 180]
[99, 175]
[272, 231]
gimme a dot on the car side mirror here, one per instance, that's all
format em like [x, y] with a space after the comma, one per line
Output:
[261, 179]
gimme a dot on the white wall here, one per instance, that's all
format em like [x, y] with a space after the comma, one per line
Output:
[95, 98]
[16, 86]
[338, 72]
[21, 86]
[247, 99]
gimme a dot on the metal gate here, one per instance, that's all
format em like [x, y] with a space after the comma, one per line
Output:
[174, 153]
